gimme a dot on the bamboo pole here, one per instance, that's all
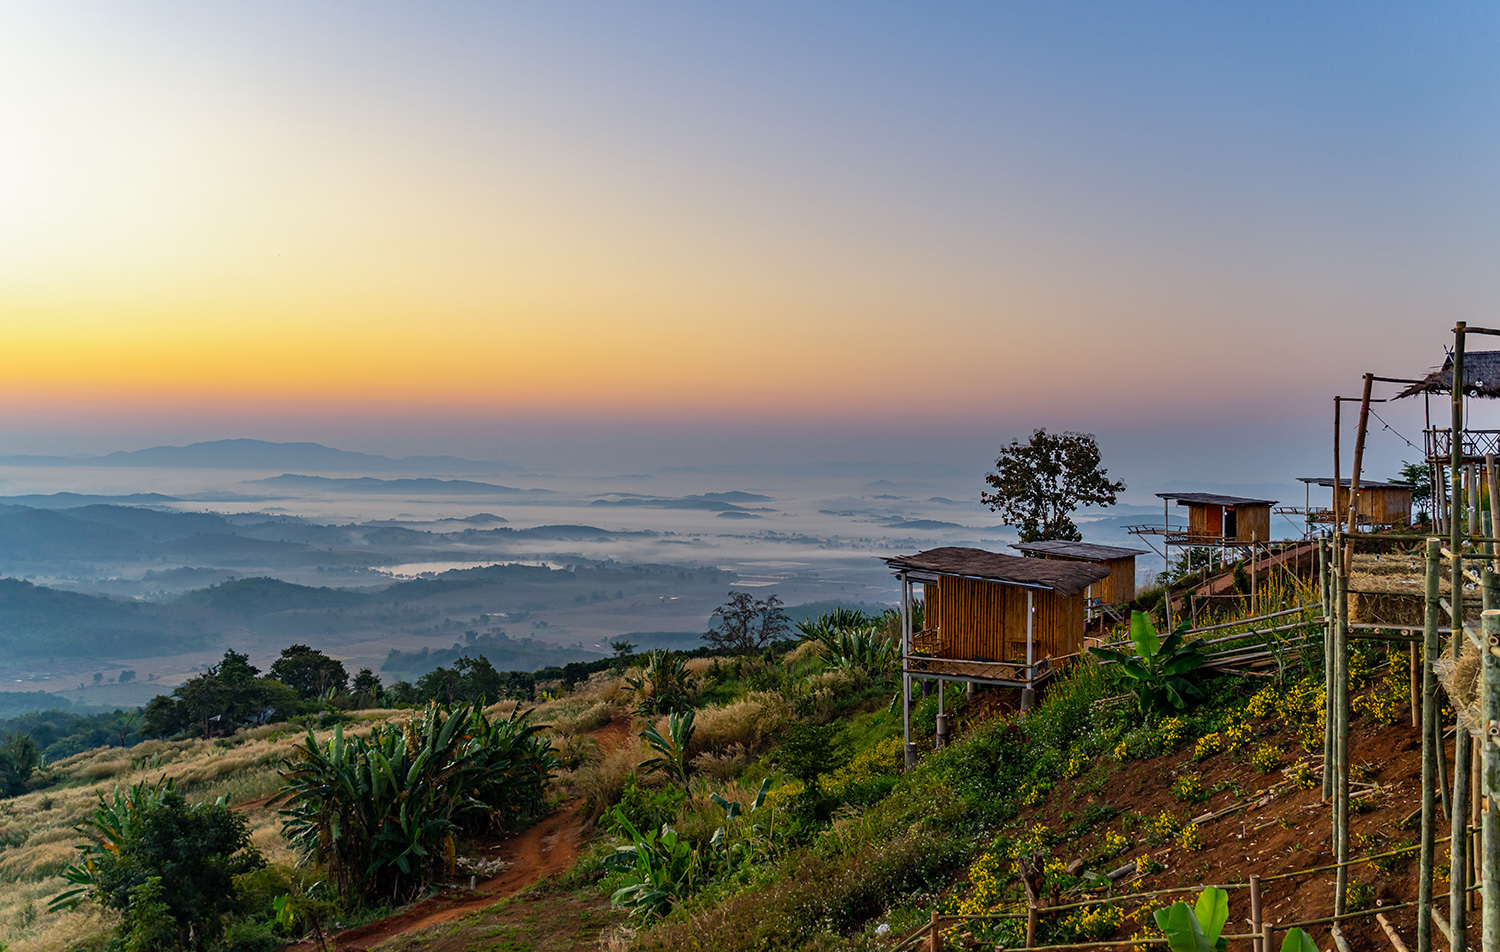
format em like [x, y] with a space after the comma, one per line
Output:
[1459, 804]
[1255, 923]
[1391, 933]
[1490, 778]
[1325, 584]
[1341, 737]
[1492, 481]
[1359, 456]
[1429, 750]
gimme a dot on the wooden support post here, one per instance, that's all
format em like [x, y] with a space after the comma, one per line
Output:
[1341, 736]
[1492, 481]
[1255, 943]
[1325, 572]
[1489, 785]
[935, 937]
[1458, 806]
[1268, 932]
[1430, 740]
[1030, 924]
[1359, 456]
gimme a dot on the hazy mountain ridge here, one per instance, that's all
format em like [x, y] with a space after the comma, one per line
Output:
[263, 454]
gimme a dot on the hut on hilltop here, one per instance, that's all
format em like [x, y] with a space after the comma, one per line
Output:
[1215, 520]
[1117, 589]
[1380, 504]
[989, 619]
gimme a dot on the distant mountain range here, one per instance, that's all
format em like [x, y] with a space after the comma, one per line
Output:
[418, 486]
[261, 454]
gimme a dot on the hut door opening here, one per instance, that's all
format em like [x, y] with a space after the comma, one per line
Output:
[1229, 525]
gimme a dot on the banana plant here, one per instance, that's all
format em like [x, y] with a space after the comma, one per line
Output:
[1198, 928]
[671, 749]
[382, 814]
[1159, 669]
[664, 869]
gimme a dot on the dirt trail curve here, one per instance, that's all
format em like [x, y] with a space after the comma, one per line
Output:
[548, 848]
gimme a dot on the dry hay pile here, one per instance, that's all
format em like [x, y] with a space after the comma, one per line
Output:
[1391, 589]
[1460, 678]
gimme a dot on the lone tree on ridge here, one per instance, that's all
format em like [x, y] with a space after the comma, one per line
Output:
[1037, 484]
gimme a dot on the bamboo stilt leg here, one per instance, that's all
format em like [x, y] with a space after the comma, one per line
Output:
[1345, 555]
[1459, 806]
[1489, 782]
[1430, 778]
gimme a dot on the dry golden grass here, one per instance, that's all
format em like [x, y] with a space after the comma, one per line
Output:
[599, 783]
[750, 722]
[807, 651]
[36, 830]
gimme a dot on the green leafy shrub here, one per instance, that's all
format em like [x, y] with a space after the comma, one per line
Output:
[1158, 671]
[381, 815]
[169, 868]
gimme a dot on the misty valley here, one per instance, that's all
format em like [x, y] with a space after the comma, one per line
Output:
[121, 577]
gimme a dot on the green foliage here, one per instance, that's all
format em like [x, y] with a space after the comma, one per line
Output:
[381, 814]
[854, 641]
[19, 759]
[1196, 929]
[671, 749]
[660, 684]
[219, 701]
[647, 809]
[1158, 671]
[665, 869]
[309, 672]
[1038, 484]
[810, 750]
[1298, 941]
[168, 867]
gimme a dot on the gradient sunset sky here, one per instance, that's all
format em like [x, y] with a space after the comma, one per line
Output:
[750, 231]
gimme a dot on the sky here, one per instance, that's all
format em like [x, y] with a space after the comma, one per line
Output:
[625, 234]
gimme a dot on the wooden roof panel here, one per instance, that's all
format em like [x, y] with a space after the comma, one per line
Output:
[1066, 578]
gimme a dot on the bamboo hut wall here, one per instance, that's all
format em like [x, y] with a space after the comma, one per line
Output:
[1204, 520]
[1390, 507]
[986, 621]
[1252, 523]
[1119, 588]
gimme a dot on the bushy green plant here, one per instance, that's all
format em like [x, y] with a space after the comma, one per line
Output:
[853, 640]
[660, 684]
[664, 869]
[169, 868]
[648, 809]
[1158, 670]
[381, 815]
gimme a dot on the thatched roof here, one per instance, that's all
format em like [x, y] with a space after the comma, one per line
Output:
[1481, 376]
[1065, 578]
[1090, 551]
[1213, 499]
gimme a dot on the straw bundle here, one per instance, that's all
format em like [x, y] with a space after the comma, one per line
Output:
[1460, 678]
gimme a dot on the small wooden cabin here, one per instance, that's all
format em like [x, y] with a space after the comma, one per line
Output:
[1117, 589]
[1380, 504]
[988, 618]
[1221, 520]
[992, 617]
